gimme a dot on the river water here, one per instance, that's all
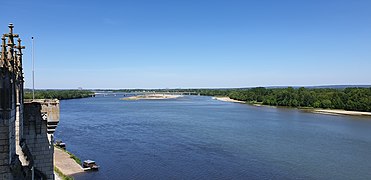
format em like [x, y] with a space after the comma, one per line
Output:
[196, 137]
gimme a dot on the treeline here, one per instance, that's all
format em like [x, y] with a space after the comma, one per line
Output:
[351, 98]
[356, 99]
[58, 94]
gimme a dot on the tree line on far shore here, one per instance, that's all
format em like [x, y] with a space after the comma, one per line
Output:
[352, 98]
[58, 94]
[355, 99]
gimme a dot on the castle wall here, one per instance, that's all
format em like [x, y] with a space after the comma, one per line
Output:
[38, 135]
[5, 172]
[7, 120]
[7, 138]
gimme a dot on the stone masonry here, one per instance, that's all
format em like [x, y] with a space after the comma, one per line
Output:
[40, 120]
[26, 128]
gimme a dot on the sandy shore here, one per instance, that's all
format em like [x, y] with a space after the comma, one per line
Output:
[227, 99]
[152, 97]
[341, 112]
[320, 111]
[65, 164]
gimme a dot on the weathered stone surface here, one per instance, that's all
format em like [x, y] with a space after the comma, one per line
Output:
[26, 129]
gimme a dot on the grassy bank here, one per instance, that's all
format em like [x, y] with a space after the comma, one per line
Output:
[72, 156]
[60, 174]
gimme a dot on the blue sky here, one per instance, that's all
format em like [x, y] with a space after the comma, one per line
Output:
[193, 43]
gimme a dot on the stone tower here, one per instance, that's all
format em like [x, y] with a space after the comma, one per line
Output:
[8, 80]
[26, 128]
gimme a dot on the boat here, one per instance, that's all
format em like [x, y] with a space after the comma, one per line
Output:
[60, 144]
[90, 165]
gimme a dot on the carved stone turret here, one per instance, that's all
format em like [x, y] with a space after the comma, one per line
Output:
[8, 107]
[19, 47]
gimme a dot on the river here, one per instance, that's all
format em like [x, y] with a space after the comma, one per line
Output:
[197, 137]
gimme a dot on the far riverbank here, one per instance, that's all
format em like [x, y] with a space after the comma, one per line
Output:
[58, 94]
[319, 111]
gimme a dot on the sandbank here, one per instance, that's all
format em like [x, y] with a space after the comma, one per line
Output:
[341, 112]
[152, 97]
[227, 99]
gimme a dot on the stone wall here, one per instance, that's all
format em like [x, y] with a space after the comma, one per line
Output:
[37, 113]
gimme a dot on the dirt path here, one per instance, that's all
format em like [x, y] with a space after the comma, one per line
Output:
[65, 164]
